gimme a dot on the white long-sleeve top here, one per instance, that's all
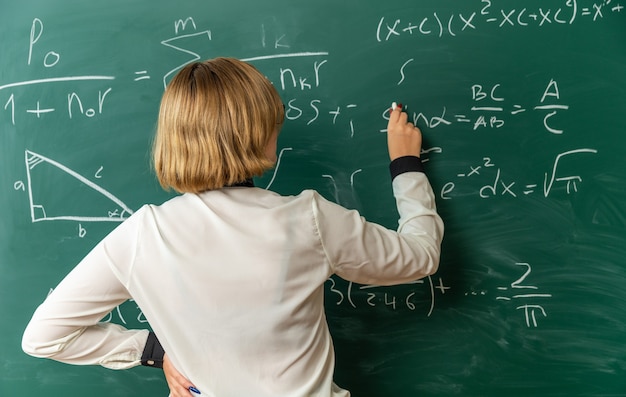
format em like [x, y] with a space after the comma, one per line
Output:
[232, 282]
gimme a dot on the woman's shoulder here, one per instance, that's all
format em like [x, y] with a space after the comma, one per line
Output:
[306, 195]
[241, 198]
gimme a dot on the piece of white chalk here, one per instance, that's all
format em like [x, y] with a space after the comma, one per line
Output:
[394, 105]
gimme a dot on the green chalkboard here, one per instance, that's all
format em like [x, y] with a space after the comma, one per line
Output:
[522, 105]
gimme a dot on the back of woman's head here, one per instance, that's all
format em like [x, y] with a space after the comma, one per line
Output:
[215, 122]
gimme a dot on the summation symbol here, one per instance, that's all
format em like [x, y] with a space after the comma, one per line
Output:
[171, 43]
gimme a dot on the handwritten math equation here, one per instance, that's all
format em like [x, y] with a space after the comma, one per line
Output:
[488, 14]
[528, 298]
[490, 110]
[490, 107]
[369, 296]
[501, 186]
[287, 78]
[72, 104]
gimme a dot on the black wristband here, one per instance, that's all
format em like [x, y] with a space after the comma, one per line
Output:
[405, 164]
[153, 353]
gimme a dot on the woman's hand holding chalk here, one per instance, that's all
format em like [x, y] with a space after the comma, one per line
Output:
[395, 106]
[403, 137]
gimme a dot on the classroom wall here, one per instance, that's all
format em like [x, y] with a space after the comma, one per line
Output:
[522, 109]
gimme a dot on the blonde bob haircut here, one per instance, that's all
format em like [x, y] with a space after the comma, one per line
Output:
[215, 122]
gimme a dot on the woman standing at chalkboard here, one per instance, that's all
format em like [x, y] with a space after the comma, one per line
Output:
[229, 276]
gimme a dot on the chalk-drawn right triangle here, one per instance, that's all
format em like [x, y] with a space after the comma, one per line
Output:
[56, 192]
